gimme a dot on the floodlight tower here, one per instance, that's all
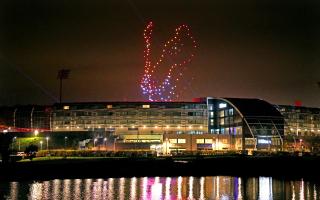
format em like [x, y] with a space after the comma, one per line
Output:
[62, 74]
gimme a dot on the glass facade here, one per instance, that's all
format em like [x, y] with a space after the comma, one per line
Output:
[301, 121]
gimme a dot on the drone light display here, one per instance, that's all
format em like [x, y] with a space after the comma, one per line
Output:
[176, 53]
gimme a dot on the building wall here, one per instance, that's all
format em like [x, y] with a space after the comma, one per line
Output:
[301, 121]
[135, 118]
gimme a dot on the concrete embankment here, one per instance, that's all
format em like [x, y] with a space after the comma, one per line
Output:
[276, 166]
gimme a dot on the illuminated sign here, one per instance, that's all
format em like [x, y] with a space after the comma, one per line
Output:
[264, 141]
[222, 105]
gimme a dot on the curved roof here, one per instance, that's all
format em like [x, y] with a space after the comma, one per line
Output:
[254, 107]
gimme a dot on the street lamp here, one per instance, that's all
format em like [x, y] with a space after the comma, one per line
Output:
[94, 142]
[114, 144]
[13, 140]
[18, 144]
[47, 138]
[65, 142]
[301, 143]
[41, 144]
[36, 132]
[105, 142]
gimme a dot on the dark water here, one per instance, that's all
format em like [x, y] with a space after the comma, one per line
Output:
[217, 187]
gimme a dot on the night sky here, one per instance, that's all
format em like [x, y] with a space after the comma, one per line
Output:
[254, 49]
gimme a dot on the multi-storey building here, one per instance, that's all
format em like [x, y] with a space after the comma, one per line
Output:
[301, 121]
[206, 123]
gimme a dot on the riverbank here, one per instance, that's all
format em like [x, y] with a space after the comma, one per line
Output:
[104, 167]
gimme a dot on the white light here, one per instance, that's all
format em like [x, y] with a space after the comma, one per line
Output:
[5, 131]
[78, 127]
[179, 127]
[132, 126]
[222, 105]
[190, 127]
[145, 106]
[144, 126]
[36, 132]
[201, 127]
[121, 127]
[66, 107]
[156, 126]
[167, 126]
[57, 127]
[264, 141]
[67, 127]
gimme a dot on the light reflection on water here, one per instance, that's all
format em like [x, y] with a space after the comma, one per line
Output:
[145, 188]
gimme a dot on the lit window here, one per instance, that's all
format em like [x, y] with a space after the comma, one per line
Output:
[173, 141]
[200, 141]
[211, 114]
[66, 107]
[145, 106]
[109, 106]
[222, 105]
[210, 107]
[208, 141]
[181, 141]
[221, 113]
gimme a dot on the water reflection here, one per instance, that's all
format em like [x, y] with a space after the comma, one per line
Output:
[219, 187]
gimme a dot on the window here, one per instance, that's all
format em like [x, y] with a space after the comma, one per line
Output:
[222, 121]
[109, 106]
[200, 141]
[230, 111]
[222, 105]
[173, 141]
[66, 107]
[145, 106]
[210, 107]
[221, 113]
[211, 114]
[181, 141]
[208, 141]
[211, 122]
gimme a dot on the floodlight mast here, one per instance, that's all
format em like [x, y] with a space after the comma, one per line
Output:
[62, 74]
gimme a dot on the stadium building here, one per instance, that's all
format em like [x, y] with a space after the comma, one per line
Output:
[203, 124]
